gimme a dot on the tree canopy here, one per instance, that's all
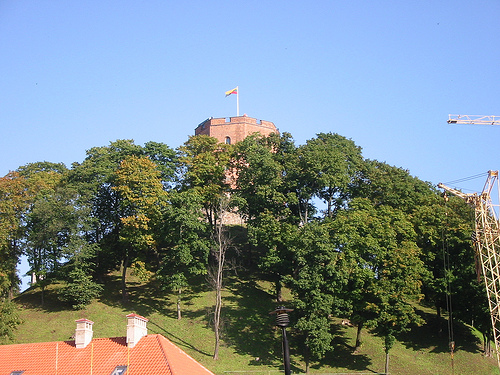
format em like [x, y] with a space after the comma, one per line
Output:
[347, 236]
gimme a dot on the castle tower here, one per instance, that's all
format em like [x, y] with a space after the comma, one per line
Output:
[231, 130]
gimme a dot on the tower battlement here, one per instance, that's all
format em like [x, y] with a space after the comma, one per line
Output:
[234, 129]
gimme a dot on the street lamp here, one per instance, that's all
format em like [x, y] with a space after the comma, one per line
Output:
[282, 320]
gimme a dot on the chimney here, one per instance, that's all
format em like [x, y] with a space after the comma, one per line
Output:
[83, 333]
[136, 329]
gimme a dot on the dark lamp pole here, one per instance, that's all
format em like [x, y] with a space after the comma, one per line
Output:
[282, 320]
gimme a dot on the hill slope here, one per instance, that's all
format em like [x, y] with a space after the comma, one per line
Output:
[251, 342]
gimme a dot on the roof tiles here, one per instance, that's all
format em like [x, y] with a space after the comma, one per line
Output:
[153, 354]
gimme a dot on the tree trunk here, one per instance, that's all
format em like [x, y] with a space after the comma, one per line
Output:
[357, 345]
[277, 285]
[11, 293]
[438, 314]
[179, 315]
[329, 209]
[42, 288]
[218, 297]
[220, 256]
[216, 274]
[218, 303]
[124, 279]
[307, 359]
[389, 342]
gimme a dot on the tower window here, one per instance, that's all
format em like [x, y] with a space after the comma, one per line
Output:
[228, 140]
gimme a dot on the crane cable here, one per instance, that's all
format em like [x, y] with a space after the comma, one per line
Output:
[464, 179]
[447, 271]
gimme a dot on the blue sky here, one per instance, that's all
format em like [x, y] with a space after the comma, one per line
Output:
[78, 74]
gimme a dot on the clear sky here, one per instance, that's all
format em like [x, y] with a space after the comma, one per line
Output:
[78, 74]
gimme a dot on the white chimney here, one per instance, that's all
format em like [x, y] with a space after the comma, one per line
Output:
[83, 333]
[136, 329]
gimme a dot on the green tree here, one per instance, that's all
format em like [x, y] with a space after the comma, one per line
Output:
[95, 179]
[78, 274]
[389, 268]
[142, 199]
[330, 164]
[13, 204]
[185, 245]
[49, 220]
[320, 272]
[387, 185]
[456, 283]
[205, 166]
[271, 238]
[274, 200]
[260, 176]
[206, 171]
[9, 320]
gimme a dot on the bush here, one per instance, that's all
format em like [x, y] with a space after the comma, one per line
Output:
[9, 320]
[80, 291]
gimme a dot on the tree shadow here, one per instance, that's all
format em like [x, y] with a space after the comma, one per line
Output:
[32, 298]
[175, 339]
[248, 326]
[111, 294]
[251, 330]
[342, 354]
[429, 336]
[148, 298]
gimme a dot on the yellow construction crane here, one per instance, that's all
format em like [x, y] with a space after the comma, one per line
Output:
[486, 240]
[475, 120]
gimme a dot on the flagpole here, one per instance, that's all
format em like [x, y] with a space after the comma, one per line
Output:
[237, 101]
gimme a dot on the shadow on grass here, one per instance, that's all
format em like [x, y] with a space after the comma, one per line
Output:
[251, 330]
[342, 355]
[428, 336]
[32, 299]
[175, 339]
[148, 298]
[248, 327]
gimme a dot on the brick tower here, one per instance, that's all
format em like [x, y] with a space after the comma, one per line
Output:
[234, 129]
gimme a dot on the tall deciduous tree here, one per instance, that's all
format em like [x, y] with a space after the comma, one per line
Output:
[207, 174]
[50, 218]
[260, 176]
[320, 272]
[331, 163]
[221, 243]
[142, 199]
[13, 204]
[186, 243]
[273, 198]
[95, 178]
[205, 166]
[390, 270]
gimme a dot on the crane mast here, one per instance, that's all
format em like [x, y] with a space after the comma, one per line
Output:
[487, 244]
[474, 120]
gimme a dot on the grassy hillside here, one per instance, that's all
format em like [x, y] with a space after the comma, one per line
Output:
[251, 342]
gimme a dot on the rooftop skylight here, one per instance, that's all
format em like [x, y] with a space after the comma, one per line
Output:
[119, 370]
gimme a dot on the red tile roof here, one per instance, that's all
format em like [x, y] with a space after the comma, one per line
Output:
[153, 354]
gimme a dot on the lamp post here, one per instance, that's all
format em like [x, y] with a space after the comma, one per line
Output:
[282, 320]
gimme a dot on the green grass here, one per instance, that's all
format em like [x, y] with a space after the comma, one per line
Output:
[252, 344]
